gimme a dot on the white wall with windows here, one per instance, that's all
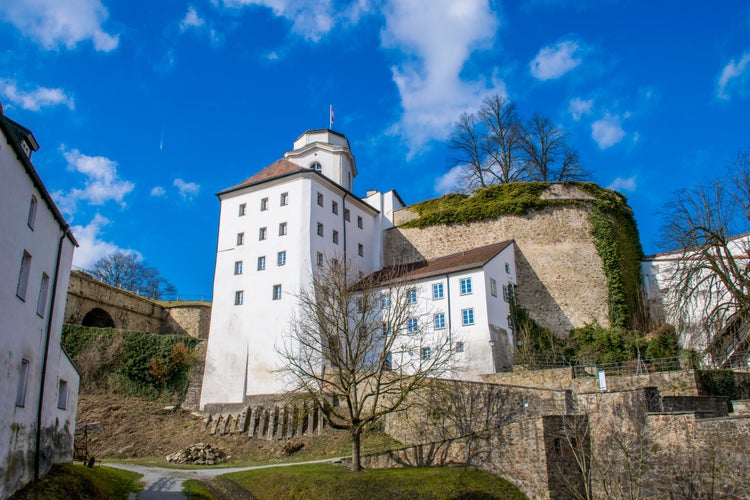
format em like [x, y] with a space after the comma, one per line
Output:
[33, 287]
[307, 219]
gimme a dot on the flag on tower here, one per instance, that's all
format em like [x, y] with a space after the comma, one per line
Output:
[330, 122]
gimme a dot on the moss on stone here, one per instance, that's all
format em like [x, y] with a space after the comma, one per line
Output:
[614, 230]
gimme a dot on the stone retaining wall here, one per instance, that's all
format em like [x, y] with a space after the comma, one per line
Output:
[561, 281]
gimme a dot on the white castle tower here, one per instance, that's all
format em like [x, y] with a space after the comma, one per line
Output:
[274, 229]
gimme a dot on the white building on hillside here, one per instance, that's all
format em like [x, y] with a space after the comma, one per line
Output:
[279, 225]
[39, 389]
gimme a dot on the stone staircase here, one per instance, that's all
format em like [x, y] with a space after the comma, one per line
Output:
[193, 394]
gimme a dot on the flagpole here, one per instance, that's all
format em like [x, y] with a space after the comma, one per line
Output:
[330, 118]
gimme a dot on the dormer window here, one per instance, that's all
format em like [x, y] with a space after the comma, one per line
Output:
[26, 148]
[316, 166]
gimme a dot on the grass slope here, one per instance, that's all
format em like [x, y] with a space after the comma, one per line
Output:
[81, 483]
[329, 481]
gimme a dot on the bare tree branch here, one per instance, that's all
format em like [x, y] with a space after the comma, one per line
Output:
[126, 271]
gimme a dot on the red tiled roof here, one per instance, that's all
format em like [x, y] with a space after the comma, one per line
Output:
[279, 168]
[469, 259]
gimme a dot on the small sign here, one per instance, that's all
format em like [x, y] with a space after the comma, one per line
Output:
[602, 380]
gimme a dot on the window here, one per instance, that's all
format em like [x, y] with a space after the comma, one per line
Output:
[262, 233]
[321, 202]
[320, 229]
[412, 325]
[336, 237]
[316, 166]
[347, 215]
[62, 394]
[22, 381]
[388, 365]
[360, 250]
[426, 353]
[334, 207]
[438, 321]
[261, 263]
[238, 267]
[32, 212]
[465, 286]
[385, 301]
[387, 329]
[281, 258]
[411, 296]
[459, 347]
[493, 288]
[467, 317]
[282, 229]
[41, 304]
[277, 292]
[243, 209]
[239, 296]
[23, 276]
[437, 291]
[359, 222]
[320, 259]
[240, 239]
[264, 204]
[510, 322]
[507, 268]
[284, 199]
[506, 294]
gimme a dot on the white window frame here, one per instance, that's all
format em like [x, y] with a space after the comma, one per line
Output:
[237, 267]
[23, 381]
[412, 325]
[507, 267]
[360, 249]
[321, 229]
[284, 199]
[262, 233]
[281, 258]
[240, 239]
[276, 292]
[239, 297]
[242, 209]
[321, 200]
[62, 394]
[438, 321]
[347, 215]
[426, 353]
[335, 237]
[411, 296]
[263, 204]
[466, 288]
[334, 207]
[282, 229]
[493, 287]
[262, 263]
[320, 259]
[360, 222]
[438, 291]
[467, 316]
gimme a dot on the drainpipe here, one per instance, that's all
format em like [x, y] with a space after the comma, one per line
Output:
[38, 446]
[448, 298]
[343, 219]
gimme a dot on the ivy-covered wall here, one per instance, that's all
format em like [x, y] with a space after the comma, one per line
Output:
[579, 254]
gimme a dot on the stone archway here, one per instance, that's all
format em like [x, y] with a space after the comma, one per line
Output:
[99, 318]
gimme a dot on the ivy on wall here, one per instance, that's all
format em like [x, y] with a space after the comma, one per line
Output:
[136, 363]
[614, 230]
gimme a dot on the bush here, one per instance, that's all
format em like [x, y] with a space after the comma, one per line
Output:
[134, 363]
[664, 344]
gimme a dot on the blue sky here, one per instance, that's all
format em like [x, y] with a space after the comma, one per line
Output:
[145, 109]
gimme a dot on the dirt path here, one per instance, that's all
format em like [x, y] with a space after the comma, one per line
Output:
[161, 483]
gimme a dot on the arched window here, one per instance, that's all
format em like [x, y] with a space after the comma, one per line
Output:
[32, 212]
[316, 166]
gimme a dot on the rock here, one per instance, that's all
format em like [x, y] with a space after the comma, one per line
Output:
[199, 454]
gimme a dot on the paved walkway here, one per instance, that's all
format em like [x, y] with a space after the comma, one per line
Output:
[161, 483]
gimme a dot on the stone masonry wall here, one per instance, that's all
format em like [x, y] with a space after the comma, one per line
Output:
[561, 281]
[188, 319]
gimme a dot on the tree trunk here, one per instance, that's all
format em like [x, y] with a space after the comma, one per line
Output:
[356, 466]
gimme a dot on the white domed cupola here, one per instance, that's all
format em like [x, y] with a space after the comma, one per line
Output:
[327, 152]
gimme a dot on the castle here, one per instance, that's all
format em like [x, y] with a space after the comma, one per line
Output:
[280, 224]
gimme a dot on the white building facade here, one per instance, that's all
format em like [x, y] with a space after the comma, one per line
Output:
[280, 225]
[39, 390]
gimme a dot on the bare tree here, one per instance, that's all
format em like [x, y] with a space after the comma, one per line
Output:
[358, 348]
[710, 279]
[547, 155]
[502, 142]
[126, 271]
[469, 152]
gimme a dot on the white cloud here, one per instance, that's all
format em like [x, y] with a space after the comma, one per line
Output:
[158, 191]
[52, 23]
[607, 131]
[435, 41]
[579, 107]
[91, 246]
[102, 183]
[186, 189]
[450, 182]
[191, 20]
[624, 184]
[34, 99]
[311, 19]
[732, 75]
[555, 60]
